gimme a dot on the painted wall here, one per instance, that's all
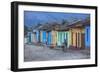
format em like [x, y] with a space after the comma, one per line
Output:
[69, 38]
[49, 38]
[61, 36]
[33, 37]
[76, 37]
[54, 38]
[58, 37]
[29, 37]
[87, 36]
[37, 36]
[43, 37]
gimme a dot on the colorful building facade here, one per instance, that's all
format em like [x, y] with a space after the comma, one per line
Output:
[63, 36]
[46, 37]
[80, 34]
[76, 35]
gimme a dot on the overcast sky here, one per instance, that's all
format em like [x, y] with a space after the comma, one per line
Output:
[34, 17]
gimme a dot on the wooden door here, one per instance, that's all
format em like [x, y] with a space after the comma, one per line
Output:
[78, 41]
[82, 40]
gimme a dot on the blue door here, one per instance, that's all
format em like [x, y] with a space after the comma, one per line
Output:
[87, 36]
[44, 37]
[49, 38]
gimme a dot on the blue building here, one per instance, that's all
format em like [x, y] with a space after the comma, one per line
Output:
[87, 36]
[49, 38]
[46, 37]
[43, 37]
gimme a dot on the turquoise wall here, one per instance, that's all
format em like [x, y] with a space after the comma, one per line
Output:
[29, 37]
[61, 36]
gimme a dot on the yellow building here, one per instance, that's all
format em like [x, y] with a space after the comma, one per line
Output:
[77, 35]
[54, 38]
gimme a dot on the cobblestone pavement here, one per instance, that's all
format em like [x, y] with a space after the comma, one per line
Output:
[40, 53]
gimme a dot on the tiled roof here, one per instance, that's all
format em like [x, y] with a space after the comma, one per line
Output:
[61, 27]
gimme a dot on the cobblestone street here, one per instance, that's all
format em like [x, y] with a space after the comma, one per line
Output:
[43, 53]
